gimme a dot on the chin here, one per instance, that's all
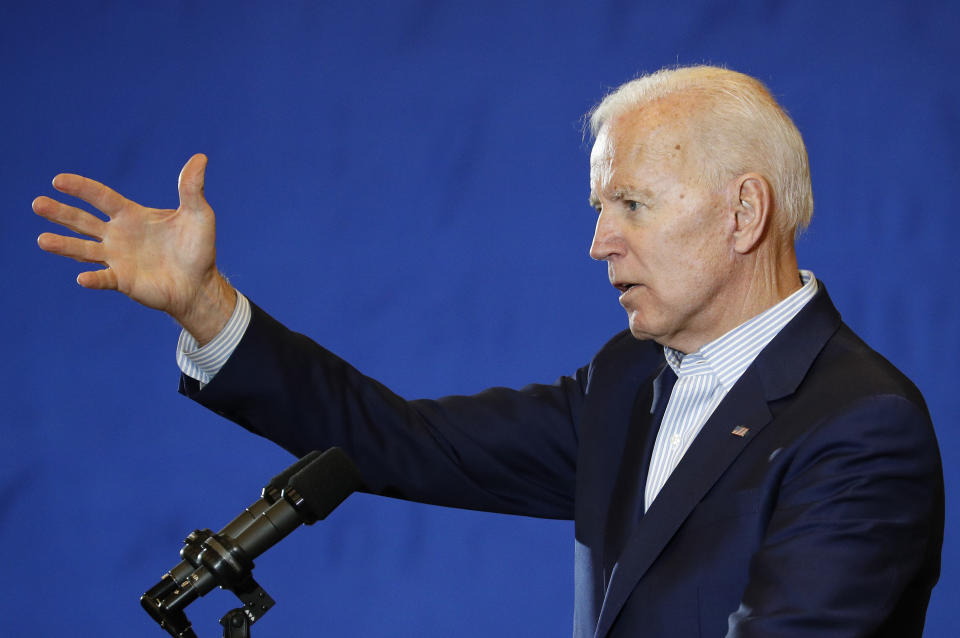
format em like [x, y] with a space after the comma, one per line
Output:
[638, 331]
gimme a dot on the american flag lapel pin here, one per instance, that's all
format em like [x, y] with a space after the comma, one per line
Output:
[740, 431]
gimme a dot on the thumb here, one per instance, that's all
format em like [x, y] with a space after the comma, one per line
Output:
[190, 184]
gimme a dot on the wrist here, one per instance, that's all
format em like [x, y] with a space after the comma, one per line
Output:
[211, 309]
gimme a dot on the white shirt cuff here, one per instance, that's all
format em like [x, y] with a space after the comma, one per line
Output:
[204, 363]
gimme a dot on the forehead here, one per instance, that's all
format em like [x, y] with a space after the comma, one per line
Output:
[656, 134]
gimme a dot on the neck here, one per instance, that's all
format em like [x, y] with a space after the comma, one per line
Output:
[769, 281]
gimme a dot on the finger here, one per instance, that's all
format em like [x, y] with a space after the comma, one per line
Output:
[76, 219]
[104, 279]
[72, 247]
[94, 193]
[190, 184]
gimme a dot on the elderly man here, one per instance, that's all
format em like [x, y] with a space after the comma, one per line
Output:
[737, 461]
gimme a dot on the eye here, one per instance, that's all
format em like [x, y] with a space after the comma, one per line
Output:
[632, 205]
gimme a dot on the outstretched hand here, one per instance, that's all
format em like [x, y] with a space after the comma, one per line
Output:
[163, 259]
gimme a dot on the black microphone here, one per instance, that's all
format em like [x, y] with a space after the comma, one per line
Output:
[309, 496]
[269, 495]
[311, 489]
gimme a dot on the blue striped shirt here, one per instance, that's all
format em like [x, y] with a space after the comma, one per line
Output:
[704, 377]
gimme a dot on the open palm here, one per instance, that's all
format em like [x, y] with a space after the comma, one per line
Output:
[164, 259]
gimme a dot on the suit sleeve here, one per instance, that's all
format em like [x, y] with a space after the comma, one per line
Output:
[510, 451]
[855, 533]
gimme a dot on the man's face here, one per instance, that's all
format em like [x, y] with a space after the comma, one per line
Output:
[666, 240]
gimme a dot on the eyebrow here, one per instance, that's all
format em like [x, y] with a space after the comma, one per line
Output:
[621, 193]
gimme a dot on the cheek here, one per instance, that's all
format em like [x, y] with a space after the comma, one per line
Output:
[698, 256]
[707, 236]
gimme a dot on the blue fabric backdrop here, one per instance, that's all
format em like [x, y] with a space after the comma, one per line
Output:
[406, 182]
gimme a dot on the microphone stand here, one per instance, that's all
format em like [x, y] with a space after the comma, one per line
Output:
[217, 561]
[235, 624]
[304, 493]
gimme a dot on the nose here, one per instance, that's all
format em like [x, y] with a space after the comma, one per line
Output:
[606, 238]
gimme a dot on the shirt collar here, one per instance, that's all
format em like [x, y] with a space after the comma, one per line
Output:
[728, 356]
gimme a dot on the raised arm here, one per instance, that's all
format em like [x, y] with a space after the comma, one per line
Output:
[163, 259]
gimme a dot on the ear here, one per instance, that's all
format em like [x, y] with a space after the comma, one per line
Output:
[753, 209]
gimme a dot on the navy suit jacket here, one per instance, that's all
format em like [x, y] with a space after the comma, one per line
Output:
[823, 517]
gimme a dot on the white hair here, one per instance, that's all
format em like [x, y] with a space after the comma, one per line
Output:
[740, 129]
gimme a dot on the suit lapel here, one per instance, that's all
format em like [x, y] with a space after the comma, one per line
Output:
[625, 503]
[714, 449]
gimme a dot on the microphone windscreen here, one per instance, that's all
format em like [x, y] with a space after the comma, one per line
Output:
[326, 481]
[280, 481]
